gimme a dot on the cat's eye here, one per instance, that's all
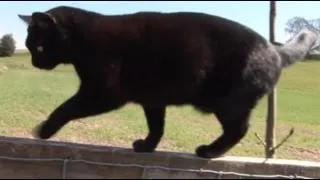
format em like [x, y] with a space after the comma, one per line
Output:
[40, 49]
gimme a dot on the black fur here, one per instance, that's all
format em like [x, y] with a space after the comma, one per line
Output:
[155, 60]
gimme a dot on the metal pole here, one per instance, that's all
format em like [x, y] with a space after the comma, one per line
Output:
[272, 98]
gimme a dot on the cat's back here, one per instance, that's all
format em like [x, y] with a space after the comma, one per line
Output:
[158, 22]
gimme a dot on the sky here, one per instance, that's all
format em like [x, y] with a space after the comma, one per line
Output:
[254, 14]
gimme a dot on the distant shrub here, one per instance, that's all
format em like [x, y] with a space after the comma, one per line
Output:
[7, 45]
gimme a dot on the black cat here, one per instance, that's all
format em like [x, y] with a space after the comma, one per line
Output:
[159, 59]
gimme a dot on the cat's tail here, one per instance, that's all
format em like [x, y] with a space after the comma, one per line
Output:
[297, 48]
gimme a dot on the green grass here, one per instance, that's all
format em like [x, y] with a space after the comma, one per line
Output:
[28, 96]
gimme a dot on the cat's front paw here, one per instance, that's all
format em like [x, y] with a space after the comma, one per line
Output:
[42, 131]
[142, 146]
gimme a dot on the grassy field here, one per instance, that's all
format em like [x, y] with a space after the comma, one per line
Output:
[28, 96]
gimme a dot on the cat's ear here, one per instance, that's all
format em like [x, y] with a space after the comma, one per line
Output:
[43, 19]
[25, 18]
[39, 18]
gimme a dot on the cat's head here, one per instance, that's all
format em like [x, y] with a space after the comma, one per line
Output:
[46, 40]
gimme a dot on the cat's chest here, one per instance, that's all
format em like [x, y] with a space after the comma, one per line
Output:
[103, 75]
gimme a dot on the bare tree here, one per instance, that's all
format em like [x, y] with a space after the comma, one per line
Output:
[296, 24]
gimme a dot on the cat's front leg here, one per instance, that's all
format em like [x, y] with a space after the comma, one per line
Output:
[81, 105]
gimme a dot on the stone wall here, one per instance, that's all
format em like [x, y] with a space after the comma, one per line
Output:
[29, 158]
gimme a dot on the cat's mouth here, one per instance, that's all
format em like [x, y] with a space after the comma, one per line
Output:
[43, 66]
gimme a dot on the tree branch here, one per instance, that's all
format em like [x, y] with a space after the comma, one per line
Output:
[284, 139]
[261, 141]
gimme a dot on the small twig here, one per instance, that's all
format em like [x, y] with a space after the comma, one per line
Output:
[261, 141]
[284, 139]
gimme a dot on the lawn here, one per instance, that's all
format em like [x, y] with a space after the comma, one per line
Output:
[28, 96]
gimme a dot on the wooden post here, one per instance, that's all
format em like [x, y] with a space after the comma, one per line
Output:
[272, 98]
